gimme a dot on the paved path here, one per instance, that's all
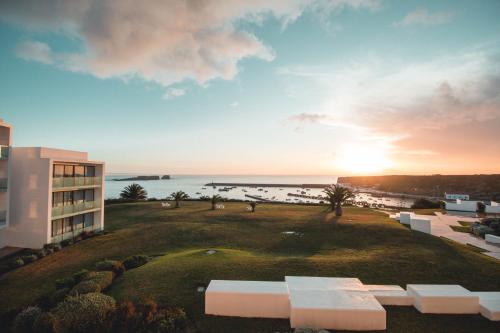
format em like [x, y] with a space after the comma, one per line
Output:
[441, 227]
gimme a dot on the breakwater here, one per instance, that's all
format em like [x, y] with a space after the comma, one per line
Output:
[269, 185]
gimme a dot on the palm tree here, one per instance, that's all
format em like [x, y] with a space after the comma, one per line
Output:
[253, 204]
[214, 200]
[134, 192]
[337, 195]
[178, 197]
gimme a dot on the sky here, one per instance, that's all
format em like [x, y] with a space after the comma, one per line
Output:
[283, 87]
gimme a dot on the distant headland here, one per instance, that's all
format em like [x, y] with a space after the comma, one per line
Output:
[143, 178]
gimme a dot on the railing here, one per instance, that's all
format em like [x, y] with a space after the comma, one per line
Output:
[60, 182]
[3, 184]
[4, 152]
[74, 233]
[75, 208]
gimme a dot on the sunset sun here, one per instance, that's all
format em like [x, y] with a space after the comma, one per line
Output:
[362, 160]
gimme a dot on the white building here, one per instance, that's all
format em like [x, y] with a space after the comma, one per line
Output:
[5, 142]
[492, 208]
[453, 196]
[463, 206]
[53, 195]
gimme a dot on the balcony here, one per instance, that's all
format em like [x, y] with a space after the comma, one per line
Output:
[4, 152]
[65, 182]
[81, 207]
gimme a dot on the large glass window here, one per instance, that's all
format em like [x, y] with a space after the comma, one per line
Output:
[88, 220]
[78, 197]
[58, 170]
[79, 171]
[90, 171]
[78, 222]
[89, 195]
[68, 224]
[68, 198]
[69, 171]
[57, 199]
[57, 227]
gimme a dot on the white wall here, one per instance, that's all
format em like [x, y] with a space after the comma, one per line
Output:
[464, 206]
[494, 208]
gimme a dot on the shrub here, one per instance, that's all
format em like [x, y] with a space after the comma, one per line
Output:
[85, 313]
[87, 234]
[66, 282]
[423, 203]
[80, 275]
[40, 253]
[29, 258]
[58, 296]
[85, 287]
[49, 250]
[25, 319]
[114, 266]
[135, 261]
[103, 279]
[66, 242]
[57, 247]
[18, 262]
[46, 323]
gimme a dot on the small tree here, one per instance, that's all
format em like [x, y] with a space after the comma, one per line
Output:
[134, 192]
[178, 197]
[337, 195]
[214, 200]
[253, 204]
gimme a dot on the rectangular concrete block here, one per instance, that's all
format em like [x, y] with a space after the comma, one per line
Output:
[421, 224]
[251, 299]
[405, 217]
[489, 304]
[390, 295]
[446, 299]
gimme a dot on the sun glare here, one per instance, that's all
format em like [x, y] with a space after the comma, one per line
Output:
[362, 159]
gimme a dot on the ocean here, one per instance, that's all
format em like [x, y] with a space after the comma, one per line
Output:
[195, 186]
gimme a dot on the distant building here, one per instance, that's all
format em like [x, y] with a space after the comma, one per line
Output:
[463, 206]
[50, 194]
[452, 196]
[492, 208]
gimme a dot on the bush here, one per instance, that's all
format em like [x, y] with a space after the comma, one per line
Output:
[135, 261]
[103, 279]
[85, 287]
[80, 275]
[114, 266]
[18, 262]
[29, 258]
[423, 203]
[66, 282]
[57, 247]
[58, 296]
[25, 319]
[66, 242]
[46, 323]
[85, 313]
[49, 250]
[40, 253]
[87, 234]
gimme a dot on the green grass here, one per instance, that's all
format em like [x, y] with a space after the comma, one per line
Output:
[363, 243]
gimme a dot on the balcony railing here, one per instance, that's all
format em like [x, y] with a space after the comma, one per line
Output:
[4, 152]
[3, 184]
[75, 208]
[60, 182]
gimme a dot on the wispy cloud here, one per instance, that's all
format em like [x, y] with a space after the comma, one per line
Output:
[423, 17]
[160, 41]
[173, 93]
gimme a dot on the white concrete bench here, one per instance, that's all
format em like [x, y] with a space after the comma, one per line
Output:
[437, 298]
[421, 224]
[405, 217]
[489, 238]
[252, 299]
[323, 283]
[336, 309]
[390, 294]
[489, 304]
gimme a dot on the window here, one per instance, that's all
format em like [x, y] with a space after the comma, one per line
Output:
[68, 198]
[68, 224]
[57, 199]
[69, 171]
[57, 227]
[89, 195]
[88, 220]
[78, 197]
[78, 222]
[90, 171]
[79, 171]
[58, 170]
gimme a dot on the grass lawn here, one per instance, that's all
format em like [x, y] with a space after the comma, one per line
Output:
[363, 243]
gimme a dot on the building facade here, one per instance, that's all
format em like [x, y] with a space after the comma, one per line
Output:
[454, 196]
[53, 195]
[5, 143]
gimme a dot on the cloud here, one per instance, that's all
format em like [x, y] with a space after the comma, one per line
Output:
[173, 93]
[165, 42]
[35, 51]
[235, 105]
[423, 17]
